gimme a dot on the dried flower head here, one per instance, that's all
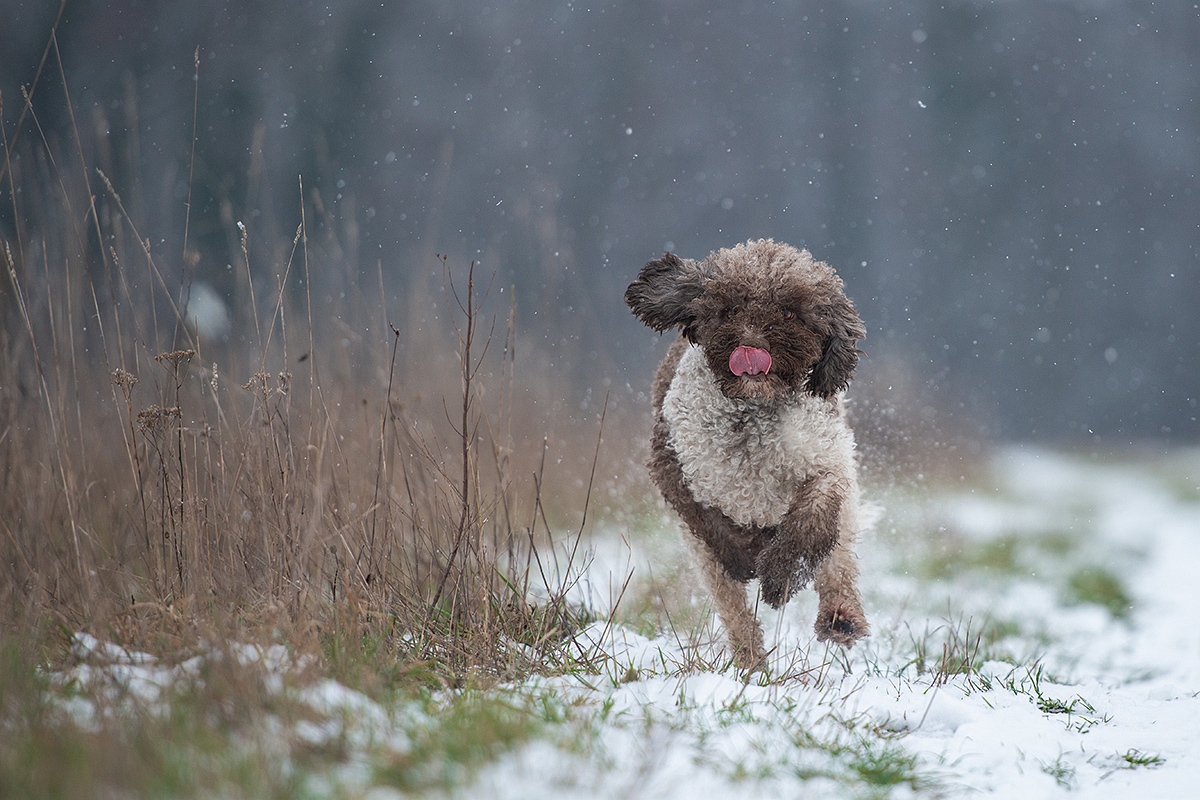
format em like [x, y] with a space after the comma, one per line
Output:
[174, 358]
[124, 379]
[257, 379]
[151, 418]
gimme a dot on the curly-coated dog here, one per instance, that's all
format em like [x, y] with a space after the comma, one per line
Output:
[751, 445]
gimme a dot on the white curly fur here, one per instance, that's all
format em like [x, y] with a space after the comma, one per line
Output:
[746, 462]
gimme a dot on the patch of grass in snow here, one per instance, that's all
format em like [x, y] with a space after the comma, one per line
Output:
[855, 757]
[215, 729]
[1080, 714]
[882, 766]
[1177, 471]
[1136, 759]
[1077, 713]
[958, 649]
[1061, 770]
[1053, 557]
[41, 753]
[949, 555]
[1095, 584]
[1129, 760]
[788, 744]
[462, 732]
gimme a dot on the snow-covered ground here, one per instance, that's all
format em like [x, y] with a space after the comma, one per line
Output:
[1034, 635]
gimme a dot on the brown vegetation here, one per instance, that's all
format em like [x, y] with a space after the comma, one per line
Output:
[308, 481]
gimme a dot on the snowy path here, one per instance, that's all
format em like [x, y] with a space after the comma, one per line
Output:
[1094, 705]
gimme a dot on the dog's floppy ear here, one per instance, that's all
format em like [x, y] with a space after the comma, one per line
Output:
[663, 292]
[839, 352]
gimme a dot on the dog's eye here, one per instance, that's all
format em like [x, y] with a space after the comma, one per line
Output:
[789, 314]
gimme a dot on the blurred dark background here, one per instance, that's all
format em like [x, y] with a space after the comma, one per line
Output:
[1008, 189]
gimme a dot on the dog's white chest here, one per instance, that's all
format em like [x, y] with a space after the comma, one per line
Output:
[745, 458]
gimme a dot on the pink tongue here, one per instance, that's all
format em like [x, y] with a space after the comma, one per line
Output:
[749, 360]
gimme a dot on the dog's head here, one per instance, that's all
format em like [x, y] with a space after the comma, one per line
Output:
[770, 320]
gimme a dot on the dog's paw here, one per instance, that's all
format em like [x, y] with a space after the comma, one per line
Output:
[843, 624]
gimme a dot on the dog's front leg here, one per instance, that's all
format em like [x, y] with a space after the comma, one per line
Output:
[803, 540]
[840, 615]
[724, 550]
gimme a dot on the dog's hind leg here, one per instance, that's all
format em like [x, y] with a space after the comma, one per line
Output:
[742, 628]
